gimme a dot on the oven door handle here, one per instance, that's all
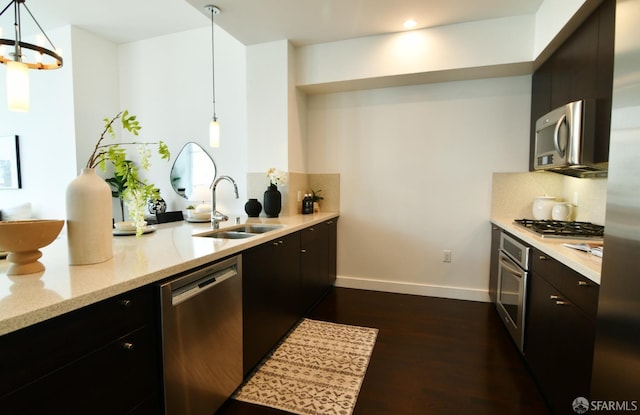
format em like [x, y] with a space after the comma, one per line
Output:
[506, 263]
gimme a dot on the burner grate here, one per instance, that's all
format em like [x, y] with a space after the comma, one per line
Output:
[562, 229]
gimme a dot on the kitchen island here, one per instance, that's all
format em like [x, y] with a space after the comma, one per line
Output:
[172, 248]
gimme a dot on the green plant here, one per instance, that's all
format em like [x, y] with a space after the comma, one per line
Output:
[130, 187]
[314, 195]
[118, 185]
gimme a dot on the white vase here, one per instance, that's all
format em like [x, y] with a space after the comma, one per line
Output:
[89, 219]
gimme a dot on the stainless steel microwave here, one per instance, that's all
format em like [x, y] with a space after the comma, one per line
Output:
[564, 141]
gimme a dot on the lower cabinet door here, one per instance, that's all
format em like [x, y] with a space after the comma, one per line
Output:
[271, 296]
[558, 345]
[115, 379]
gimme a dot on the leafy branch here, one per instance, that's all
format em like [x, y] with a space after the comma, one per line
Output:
[114, 152]
[128, 184]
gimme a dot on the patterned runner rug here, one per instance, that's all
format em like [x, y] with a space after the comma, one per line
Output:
[318, 369]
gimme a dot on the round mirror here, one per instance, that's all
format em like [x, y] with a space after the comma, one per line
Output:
[192, 169]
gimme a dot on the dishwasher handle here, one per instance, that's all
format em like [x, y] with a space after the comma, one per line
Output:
[186, 292]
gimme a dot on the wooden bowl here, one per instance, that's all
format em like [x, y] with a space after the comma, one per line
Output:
[23, 240]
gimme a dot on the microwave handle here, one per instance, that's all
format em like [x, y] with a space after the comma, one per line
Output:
[556, 135]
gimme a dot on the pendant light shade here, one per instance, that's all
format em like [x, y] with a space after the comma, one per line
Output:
[214, 125]
[18, 65]
[17, 86]
[214, 133]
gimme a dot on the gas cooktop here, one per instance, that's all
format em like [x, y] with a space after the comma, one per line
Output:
[562, 229]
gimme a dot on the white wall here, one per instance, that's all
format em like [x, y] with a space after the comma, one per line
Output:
[47, 136]
[451, 47]
[171, 93]
[550, 19]
[415, 165]
[95, 89]
[267, 85]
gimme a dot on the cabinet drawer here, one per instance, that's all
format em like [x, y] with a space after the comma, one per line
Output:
[547, 267]
[44, 347]
[112, 380]
[581, 291]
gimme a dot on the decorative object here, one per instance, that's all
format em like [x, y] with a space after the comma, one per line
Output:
[136, 191]
[192, 168]
[316, 200]
[542, 206]
[89, 207]
[307, 204]
[157, 205]
[272, 196]
[214, 126]
[17, 67]
[89, 219]
[10, 163]
[253, 208]
[318, 369]
[562, 211]
[23, 240]
[118, 185]
[201, 194]
[272, 201]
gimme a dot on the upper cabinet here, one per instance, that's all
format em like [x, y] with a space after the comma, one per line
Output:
[582, 68]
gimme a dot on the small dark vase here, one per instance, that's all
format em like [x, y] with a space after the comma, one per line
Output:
[157, 206]
[253, 208]
[272, 201]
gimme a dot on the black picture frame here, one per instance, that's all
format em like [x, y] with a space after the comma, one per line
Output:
[10, 177]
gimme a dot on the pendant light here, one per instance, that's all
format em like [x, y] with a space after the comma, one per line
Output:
[214, 126]
[17, 63]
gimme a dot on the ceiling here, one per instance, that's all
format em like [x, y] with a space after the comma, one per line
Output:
[256, 21]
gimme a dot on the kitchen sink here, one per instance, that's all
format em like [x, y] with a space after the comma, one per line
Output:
[239, 231]
[254, 228]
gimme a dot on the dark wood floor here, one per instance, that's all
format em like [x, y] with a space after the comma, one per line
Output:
[432, 356]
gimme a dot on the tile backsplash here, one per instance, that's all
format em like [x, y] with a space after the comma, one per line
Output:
[513, 194]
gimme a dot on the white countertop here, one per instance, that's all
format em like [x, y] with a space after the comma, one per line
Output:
[583, 262]
[171, 249]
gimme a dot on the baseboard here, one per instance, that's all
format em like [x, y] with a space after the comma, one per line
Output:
[426, 290]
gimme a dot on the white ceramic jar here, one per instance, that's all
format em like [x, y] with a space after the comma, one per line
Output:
[542, 206]
[562, 211]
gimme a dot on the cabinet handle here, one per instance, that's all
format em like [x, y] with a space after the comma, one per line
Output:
[583, 283]
[126, 303]
[330, 222]
[127, 346]
[277, 243]
[560, 302]
[311, 229]
[554, 297]
[303, 251]
[543, 258]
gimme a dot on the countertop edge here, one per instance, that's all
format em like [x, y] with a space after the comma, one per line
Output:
[582, 262]
[39, 314]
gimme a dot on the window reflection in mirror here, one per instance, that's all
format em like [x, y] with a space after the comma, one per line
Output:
[193, 168]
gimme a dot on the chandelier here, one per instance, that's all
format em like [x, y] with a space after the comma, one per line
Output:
[18, 63]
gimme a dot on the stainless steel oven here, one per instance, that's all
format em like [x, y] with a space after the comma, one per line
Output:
[513, 271]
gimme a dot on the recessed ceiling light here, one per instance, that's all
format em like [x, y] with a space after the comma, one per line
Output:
[410, 24]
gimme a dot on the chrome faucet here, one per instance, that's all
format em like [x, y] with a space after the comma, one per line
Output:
[216, 216]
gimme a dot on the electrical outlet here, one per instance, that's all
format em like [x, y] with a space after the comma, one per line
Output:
[446, 255]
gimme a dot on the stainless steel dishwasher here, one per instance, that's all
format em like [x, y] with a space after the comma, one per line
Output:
[202, 337]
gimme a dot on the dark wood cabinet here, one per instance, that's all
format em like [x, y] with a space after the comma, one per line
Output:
[270, 295]
[581, 68]
[560, 331]
[493, 263]
[314, 265]
[282, 280]
[101, 359]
